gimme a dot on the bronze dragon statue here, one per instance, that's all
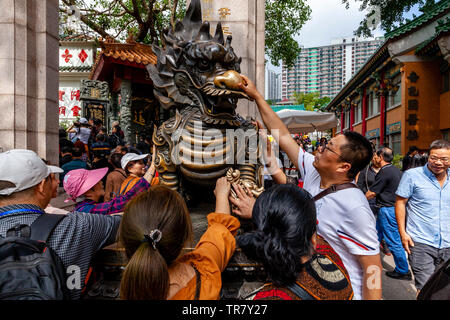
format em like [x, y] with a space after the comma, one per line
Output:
[197, 76]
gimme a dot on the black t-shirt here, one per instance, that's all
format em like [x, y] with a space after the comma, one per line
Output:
[385, 185]
[366, 179]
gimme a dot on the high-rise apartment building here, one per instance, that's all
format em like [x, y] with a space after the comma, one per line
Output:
[273, 83]
[326, 69]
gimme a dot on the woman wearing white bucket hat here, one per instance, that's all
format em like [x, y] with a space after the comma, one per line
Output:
[134, 167]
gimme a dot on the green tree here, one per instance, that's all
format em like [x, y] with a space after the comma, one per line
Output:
[389, 14]
[284, 20]
[146, 20]
[311, 101]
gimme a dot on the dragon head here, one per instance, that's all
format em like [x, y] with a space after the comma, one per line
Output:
[196, 69]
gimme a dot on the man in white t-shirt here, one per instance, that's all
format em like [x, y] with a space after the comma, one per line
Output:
[345, 219]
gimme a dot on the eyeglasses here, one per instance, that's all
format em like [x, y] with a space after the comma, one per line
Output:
[436, 159]
[324, 146]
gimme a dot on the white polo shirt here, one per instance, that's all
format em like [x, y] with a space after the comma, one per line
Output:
[346, 221]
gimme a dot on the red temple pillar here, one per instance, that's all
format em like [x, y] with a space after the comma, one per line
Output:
[352, 116]
[382, 111]
[342, 120]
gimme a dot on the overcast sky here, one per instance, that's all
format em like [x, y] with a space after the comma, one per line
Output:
[330, 20]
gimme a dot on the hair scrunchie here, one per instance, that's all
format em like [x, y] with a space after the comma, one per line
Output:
[153, 237]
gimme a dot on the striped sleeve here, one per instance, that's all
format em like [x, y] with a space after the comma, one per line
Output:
[358, 232]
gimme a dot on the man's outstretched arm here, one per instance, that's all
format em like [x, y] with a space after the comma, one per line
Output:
[272, 122]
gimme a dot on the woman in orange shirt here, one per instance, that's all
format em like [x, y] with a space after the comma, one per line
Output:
[134, 167]
[155, 227]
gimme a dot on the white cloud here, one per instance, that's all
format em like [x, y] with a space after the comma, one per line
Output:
[329, 20]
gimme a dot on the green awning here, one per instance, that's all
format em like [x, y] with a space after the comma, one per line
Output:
[290, 107]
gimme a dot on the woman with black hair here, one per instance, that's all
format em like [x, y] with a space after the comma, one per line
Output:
[284, 239]
[115, 178]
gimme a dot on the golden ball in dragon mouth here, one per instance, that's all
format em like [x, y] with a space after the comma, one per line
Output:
[229, 80]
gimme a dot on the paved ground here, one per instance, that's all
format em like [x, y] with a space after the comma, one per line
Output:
[395, 289]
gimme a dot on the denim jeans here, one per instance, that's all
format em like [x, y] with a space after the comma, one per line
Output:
[389, 230]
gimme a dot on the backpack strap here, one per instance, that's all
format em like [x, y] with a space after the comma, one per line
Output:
[19, 230]
[43, 226]
[300, 292]
[334, 189]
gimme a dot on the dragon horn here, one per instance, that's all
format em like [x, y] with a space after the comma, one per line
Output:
[219, 34]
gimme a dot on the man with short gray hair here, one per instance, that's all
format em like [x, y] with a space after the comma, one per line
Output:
[423, 213]
[27, 185]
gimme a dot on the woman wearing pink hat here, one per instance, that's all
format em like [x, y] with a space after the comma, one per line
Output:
[88, 185]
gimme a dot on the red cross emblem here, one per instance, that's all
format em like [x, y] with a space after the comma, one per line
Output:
[66, 56]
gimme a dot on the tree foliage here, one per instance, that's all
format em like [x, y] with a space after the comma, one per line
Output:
[311, 101]
[387, 14]
[284, 20]
[146, 19]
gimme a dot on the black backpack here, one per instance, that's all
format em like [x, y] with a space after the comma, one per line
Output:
[29, 269]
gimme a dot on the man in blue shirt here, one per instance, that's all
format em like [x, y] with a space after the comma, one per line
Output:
[423, 213]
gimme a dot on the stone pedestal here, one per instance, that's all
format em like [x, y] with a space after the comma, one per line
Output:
[244, 20]
[29, 83]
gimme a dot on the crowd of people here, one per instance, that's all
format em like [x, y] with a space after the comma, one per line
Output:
[319, 241]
